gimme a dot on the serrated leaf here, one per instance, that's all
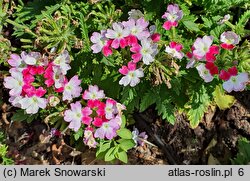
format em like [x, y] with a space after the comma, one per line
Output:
[207, 22]
[124, 133]
[166, 110]
[222, 100]
[147, 100]
[199, 103]
[126, 144]
[122, 156]
[191, 26]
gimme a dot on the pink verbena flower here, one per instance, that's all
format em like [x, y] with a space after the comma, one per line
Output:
[106, 50]
[31, 58]
[87, 119]
[15, 101]
[99, 40]
[213, 69]
[146, 51]
[110, 109]
[108, 130]
[72, 89]
[138, 28]
[93, 92]
[173, 15]
[229, 39]
[62, 61]
[203, 48]
[17, 62]
[204, 73]
[174, 49]
[97, 106]
[132, 75]
[118, 34]
[14, 83]
[225, 75]
[32, 104]
[236, 83]
[74, 116]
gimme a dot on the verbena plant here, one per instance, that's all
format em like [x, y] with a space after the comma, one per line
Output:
[123, 57]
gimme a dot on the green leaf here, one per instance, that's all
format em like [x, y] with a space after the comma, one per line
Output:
[191, 26]
[104, 146]
[78, 134]
[124, 133]
[243, 155]
[126, 144]
[110, 155]
[147, 100]
[123, 121]
[20, 115]
[122, 156]
[222, 100]
[199, 102]
[166, 109]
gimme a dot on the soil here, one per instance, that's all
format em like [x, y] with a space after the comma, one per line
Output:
[214, 141]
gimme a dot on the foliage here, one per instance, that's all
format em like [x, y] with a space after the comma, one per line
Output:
[4, 159]
[171, 83]
[243, 155]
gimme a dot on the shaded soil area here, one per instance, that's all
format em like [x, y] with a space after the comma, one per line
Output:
[214, 141]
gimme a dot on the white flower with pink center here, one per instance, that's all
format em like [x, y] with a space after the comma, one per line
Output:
[72, 89]
[204, 73]
[132, 75]
[32, 104]
[174, 49]
[118, 34]
[110, 109]
[236, 83]
[229, 39]
[202, 46]
[74, 116]
[99, 41]
[173, 15]
[14, 100]
[108, 130]
[31, 58]
[93, 92]
[17, 62]
[62, 61]
[14, 82]
[146, 51]
[137, 28]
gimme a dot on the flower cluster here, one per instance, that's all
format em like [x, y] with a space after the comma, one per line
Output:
[203, 56]
[34, 79]
[100, 116]
[204, 53]
[134, 34]
[172, 16]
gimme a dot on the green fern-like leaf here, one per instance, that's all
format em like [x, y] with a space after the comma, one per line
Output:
[199, 102]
